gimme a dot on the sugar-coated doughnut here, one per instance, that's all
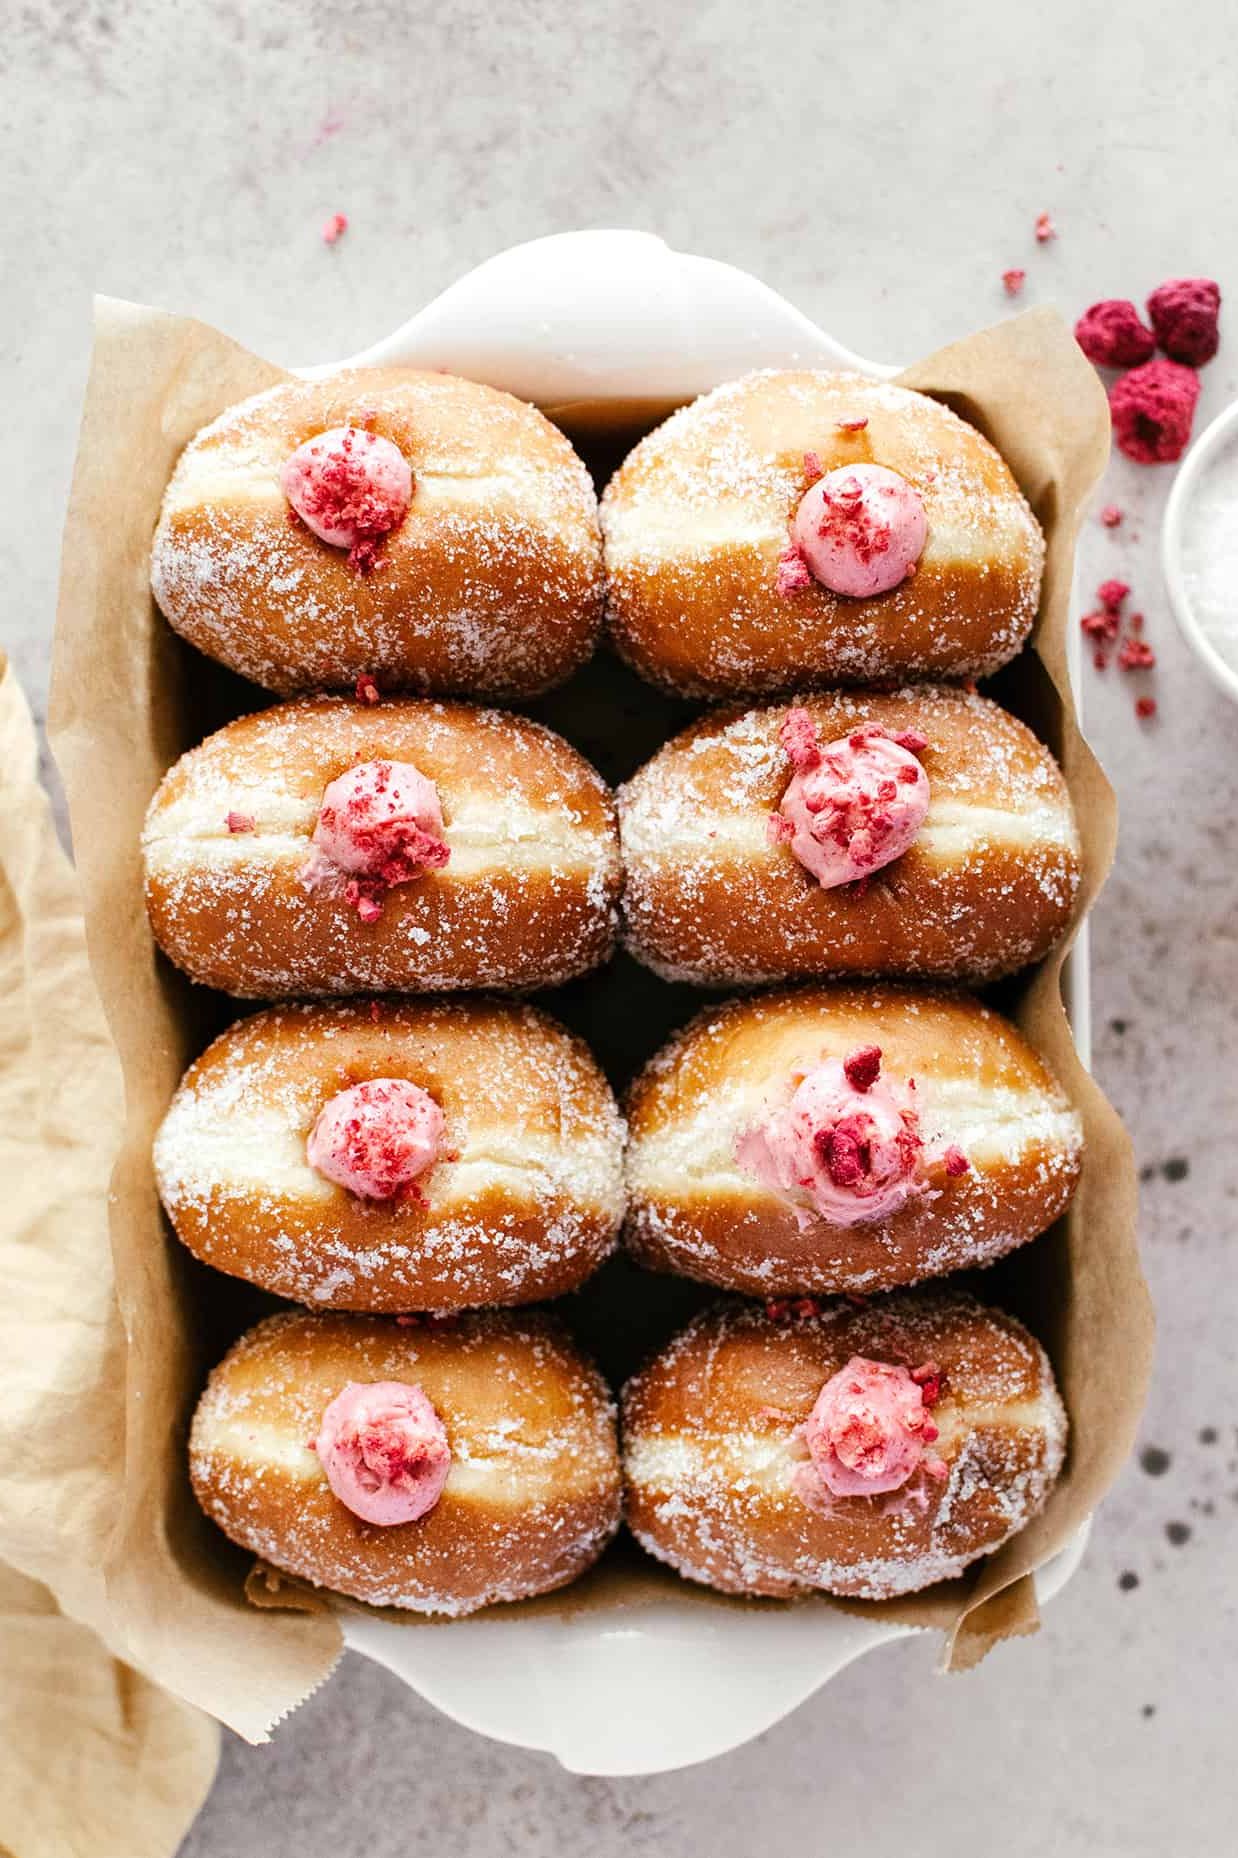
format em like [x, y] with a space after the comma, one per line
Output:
[321, 1443]
[732, 877]
[387, 1155]
[329, 846]
[433, 533]
[806, 528]
[844, 1139]
[867, 1452]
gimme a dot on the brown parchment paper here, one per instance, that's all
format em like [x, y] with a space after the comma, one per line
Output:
[128, 698]
[95, 1761]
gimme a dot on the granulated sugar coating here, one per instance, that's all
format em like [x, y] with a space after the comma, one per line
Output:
[987, 886]
[978, 1087]
[490, 585]
[532, 1497]
[526, 899]
[523, 1201]
[719, 1480]
[696, 520]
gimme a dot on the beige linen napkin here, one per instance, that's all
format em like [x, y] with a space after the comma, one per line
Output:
[95, 1760]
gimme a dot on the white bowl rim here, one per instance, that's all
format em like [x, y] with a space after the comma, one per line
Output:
[1209, 442]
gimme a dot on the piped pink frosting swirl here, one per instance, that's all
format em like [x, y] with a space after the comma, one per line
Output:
[868, 1429]
[860, 529]
[853, 805]
[380, 824]
[384, 1451]
[349, 486]
[847, 1147]
[376, 1138]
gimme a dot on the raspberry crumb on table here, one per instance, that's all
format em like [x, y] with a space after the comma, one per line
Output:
[334, 228]
[1013, 281]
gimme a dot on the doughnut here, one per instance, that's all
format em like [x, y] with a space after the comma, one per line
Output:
[867, 1452]
[844, 1139]
[435, 1467]
[332, 846]
[805, 528]
[925, 832]
[396, 1156]
[429, 532]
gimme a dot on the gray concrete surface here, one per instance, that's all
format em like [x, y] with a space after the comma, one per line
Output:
[881, 165]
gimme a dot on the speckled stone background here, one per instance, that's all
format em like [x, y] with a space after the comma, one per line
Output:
[881, 165]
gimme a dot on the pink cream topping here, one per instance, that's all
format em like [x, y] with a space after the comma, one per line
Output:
[349, 486]
[380, 824]
[859, 530]
[376, 1138]
[384, 1451]
[853, 805]
[868, 1429]
[847, 1146]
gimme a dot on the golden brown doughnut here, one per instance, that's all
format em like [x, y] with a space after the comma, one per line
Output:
[527, 898]
[720, 1482]
[490, 586]
[533, 1492]
[987, 886]
[522, 1200]
[984, 1101]
[697, 518]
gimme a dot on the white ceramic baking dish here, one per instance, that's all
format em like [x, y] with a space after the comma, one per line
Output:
[595, 319]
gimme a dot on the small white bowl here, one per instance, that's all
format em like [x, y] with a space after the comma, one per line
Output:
[1181, 497]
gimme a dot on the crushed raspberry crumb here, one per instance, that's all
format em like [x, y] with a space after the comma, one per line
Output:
[1185, 313]
[1100, 660]
[1153, 408]
[797, 738]
[365, 556]
[778, 1309]
[1111, 335]
[1135, 622]
[1111, 516]
[1111, 594]
[240, 822]
[367, 689]
[851, 425]
[1100, 625]
[812, 468]
[912, 741]
[956, 1162]
[793, 574]
[361, 897]
[932, 1384]
[1045, 228]
[863, 1068]
[1145, 707]
[1136, 655]
[375, 1011]
[334, 228]
[1013, 280]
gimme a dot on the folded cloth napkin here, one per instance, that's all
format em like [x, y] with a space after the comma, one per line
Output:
[95, 1760]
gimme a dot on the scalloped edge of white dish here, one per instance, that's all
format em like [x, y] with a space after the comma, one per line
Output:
[1223, 674]
[662, 1684]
